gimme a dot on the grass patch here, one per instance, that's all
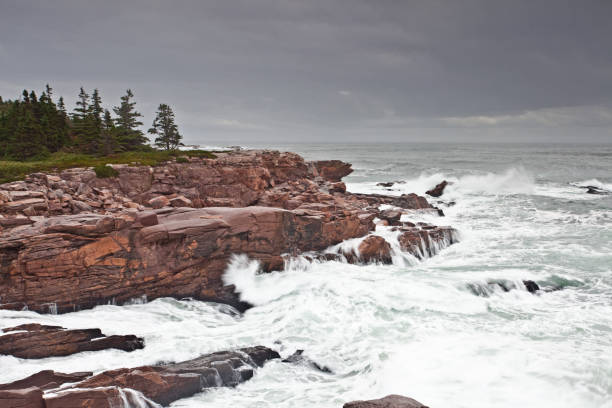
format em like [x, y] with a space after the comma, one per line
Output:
[105, 171]
[17, 170]
[182, 159]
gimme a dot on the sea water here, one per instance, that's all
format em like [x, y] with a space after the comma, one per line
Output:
[439, 330]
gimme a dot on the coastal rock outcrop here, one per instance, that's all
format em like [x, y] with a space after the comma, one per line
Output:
[40, 341]
[390, 401]
[174, 252]
[145, 386]
[169, 230]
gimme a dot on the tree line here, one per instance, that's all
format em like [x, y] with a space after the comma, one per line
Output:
[32, 127]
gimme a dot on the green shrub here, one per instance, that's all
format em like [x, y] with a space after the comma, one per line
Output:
[104, 171]
[182, 159]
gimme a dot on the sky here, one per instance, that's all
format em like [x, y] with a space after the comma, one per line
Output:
[259, 71]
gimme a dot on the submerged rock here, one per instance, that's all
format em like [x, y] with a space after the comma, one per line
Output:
[299, 358]
[493, 285]
[39, 341]
[390, 401]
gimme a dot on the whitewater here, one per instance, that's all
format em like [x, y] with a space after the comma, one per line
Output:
[442, 330]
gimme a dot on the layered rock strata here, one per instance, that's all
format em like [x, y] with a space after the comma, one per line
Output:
[39, 341]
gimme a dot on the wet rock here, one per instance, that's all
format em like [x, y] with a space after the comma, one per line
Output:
[169, 382]
[426, 241]
[299, 358]
[531, 286]
[46, 379]
[438, 190]
[596, 190]
[390, 401]
[39, 341]
[22, 398]
[103, 397]
[375, 249]
[386, 184]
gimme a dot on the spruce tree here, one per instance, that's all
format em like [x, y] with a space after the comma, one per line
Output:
[165, 129]
[129, 136]
[108, 134]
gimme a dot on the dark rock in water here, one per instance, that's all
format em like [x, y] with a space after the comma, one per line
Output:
[440, 212]
[40, 341]
[438, 190]
[596, 190]
[531, 286]
[46, 379]
[487, 289]
[390, 401]
[299, 358]
[386, 184]
[22, 398]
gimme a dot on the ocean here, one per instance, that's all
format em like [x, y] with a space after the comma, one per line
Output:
[455, 330]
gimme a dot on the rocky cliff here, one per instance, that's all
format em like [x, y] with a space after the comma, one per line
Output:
[71, 240]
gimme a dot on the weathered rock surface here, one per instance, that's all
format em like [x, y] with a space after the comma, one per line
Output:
[390, 401]
[39, 341]
[179, 253]
[98, 243]
[438, 190]
[144, 386]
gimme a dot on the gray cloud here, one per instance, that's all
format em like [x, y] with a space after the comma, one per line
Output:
[321, 70]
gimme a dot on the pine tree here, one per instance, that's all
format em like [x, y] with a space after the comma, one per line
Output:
[165, 129]
[129, 136]
[108, 134]
[82, 106]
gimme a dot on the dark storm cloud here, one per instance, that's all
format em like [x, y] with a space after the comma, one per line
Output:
[317, 69]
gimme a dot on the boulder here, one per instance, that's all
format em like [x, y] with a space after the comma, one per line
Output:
[159, 202]
[333, 170]
[181, 201]
[375, 249]
[390, 401]
[39, 341]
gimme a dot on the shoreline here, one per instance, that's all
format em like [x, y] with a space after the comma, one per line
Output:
[71, 241]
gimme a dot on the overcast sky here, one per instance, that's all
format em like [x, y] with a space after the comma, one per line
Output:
[248, 71]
